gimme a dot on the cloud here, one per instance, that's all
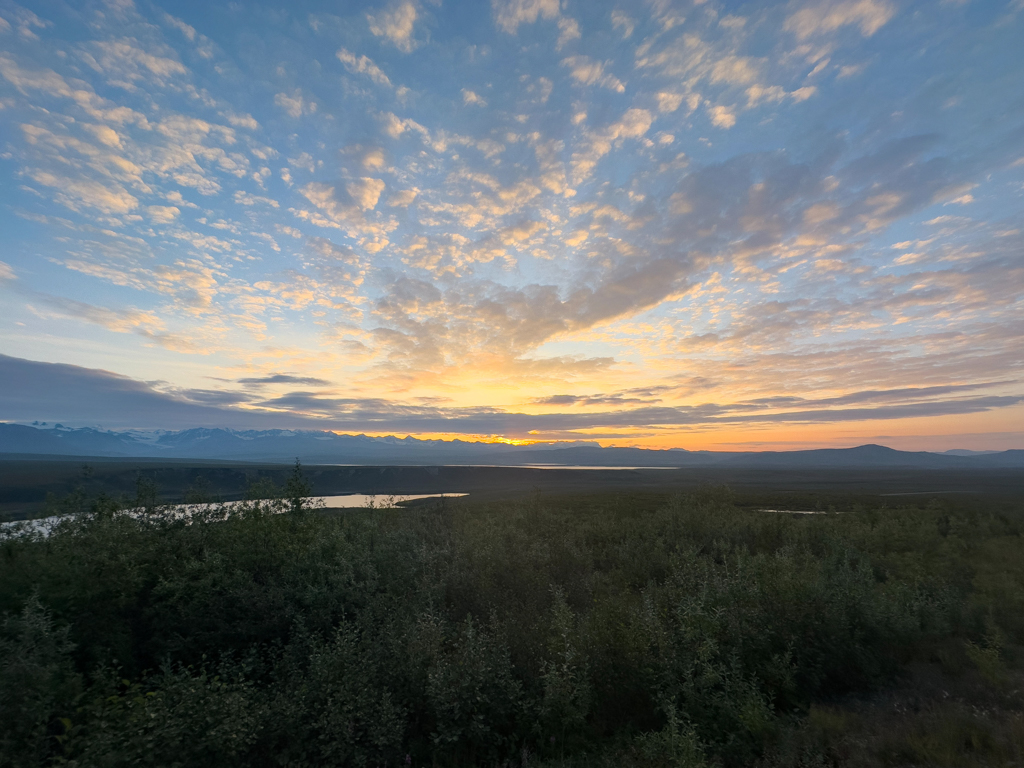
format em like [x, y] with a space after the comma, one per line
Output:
[371, 158]
[901, 395]
[403, 198]
[243, 121]
[850, 70]
[126, 61]
[339, 268]
[295, 104]
[244, 198]
[422, 325]
[758, 93]
[509, 14]
[568, 30]
[566, 250]
[395, 126]
[396, 24]
[802, 94]
[468, 97]
[119, 320]
[586, 71]
[721, 116]
[105, 135]
[868, 15]
[633, 124]
[541, 88]
[163, 214]
[734, 70]
[363, 66]
[365, 192]
[588, 400]
[188, 31]
[76, 193]
[284, 378]
[668, 102]
[623, 22]
[961, 200]
[32, 390]
[45, 80]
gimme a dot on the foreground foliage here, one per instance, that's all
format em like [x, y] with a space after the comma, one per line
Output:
[605, 630]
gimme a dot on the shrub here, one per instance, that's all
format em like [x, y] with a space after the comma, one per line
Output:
[590, 630]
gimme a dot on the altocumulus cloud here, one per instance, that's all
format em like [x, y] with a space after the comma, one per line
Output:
[421, 216]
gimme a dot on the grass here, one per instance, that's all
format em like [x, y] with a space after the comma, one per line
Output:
[625, 628]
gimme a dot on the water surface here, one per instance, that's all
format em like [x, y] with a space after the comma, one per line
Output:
[347, 501]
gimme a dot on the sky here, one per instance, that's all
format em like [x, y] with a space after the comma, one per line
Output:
[710, 224]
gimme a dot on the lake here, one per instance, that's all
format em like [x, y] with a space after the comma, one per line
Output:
[347, 501]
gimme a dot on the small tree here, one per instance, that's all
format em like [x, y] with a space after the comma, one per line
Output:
[297, 490]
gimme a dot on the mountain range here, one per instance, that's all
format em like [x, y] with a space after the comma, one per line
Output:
[314, 447]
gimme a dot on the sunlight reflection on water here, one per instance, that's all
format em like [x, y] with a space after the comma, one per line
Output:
[347, 501]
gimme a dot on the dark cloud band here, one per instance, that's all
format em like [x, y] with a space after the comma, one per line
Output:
[32, 390]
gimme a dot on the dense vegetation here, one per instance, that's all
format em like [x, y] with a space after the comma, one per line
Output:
[592, 630]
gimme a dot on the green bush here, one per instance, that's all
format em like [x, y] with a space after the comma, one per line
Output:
[39, 687]
[581, 631]
[175, 718]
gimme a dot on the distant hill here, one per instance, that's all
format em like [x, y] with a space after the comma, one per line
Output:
[314, 447]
